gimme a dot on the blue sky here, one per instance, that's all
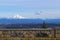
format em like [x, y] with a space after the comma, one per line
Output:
[30, 8]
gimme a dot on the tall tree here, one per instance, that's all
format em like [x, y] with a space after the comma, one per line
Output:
[44, 25]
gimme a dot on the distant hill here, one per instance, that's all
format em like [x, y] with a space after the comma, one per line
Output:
[20, 21]
[28, 23]
[53, 21]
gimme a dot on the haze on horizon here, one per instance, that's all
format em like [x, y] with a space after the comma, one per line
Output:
[45, 9]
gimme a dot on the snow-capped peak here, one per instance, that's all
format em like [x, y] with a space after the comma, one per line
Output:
[18, 16]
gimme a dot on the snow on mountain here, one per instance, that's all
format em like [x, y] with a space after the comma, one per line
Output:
[18, 16]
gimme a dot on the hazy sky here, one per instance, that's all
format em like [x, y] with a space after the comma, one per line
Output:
[30, 8]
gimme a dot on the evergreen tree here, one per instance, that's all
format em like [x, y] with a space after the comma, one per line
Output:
[44, 25]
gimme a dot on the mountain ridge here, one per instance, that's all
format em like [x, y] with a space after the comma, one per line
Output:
[12, 21]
